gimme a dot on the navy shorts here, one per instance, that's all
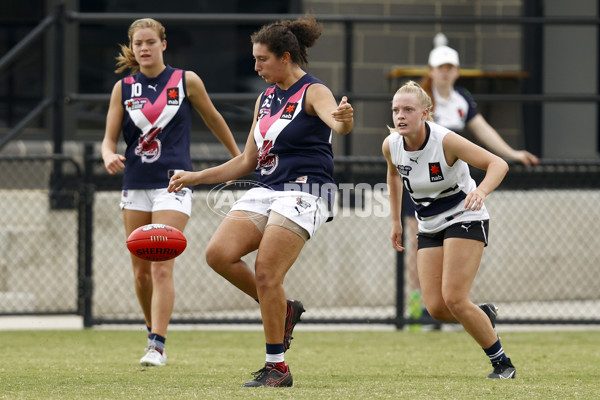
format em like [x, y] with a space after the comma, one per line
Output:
[475, 230]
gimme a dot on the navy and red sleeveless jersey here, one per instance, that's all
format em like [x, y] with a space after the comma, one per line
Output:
[156, 128]
[293, 147]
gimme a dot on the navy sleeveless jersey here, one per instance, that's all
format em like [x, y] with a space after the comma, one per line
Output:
[294, 148]
[156, 128]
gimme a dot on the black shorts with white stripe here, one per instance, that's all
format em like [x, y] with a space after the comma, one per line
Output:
[475, 230]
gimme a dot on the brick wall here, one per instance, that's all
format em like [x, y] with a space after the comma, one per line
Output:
[380, 47]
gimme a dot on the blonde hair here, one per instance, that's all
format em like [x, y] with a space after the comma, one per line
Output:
[412, 87]
[126, 59]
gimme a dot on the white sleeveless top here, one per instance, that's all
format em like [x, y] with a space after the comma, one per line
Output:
[437, 189]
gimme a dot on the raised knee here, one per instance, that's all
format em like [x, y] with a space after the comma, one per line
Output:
[214, 257]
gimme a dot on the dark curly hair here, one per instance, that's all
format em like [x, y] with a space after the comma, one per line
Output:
[295, 37]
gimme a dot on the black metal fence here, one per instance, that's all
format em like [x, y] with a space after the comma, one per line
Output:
[40, 246]
[59, 99]
[62, 250]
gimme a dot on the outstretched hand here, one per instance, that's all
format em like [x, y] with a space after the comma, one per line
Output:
[344, 111]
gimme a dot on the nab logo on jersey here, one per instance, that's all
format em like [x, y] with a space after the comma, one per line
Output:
[173, 96]
[435, 172]
[288, 111]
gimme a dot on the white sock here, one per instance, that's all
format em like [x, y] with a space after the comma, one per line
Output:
[274, 358]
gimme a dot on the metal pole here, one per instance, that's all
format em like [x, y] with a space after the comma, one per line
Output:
[400, 289]
[349, 38]
[33, 114]
[24, 44]
[57, 200]
[532, 60]
[58, 78]
[85, 234]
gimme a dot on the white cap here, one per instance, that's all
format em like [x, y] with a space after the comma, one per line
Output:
[443, 55]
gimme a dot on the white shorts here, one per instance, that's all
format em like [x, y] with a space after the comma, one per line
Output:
[151, 200]
[306, 210]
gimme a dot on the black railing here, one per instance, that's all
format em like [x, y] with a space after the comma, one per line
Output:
[61, 16]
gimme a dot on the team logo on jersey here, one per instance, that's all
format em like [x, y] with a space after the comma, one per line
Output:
[173, 96]
[265, 107]
[288, 111]
[403, 169]
[266, 161]
[149, 147]
[267, 101]
[262, 112]
[135, 104]
[435, 172]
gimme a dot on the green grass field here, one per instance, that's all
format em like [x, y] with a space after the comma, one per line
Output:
[103, 364]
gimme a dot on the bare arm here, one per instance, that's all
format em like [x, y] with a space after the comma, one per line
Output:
[492, 140]
[212, 118]
[239, 166]
[113, 162]
[320, 102]
[395, 187]
[457, 147]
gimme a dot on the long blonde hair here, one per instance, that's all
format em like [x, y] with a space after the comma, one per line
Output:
[126, 59]
[412, 87]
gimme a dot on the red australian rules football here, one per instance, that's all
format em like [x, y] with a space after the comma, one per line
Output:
[156, 242]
